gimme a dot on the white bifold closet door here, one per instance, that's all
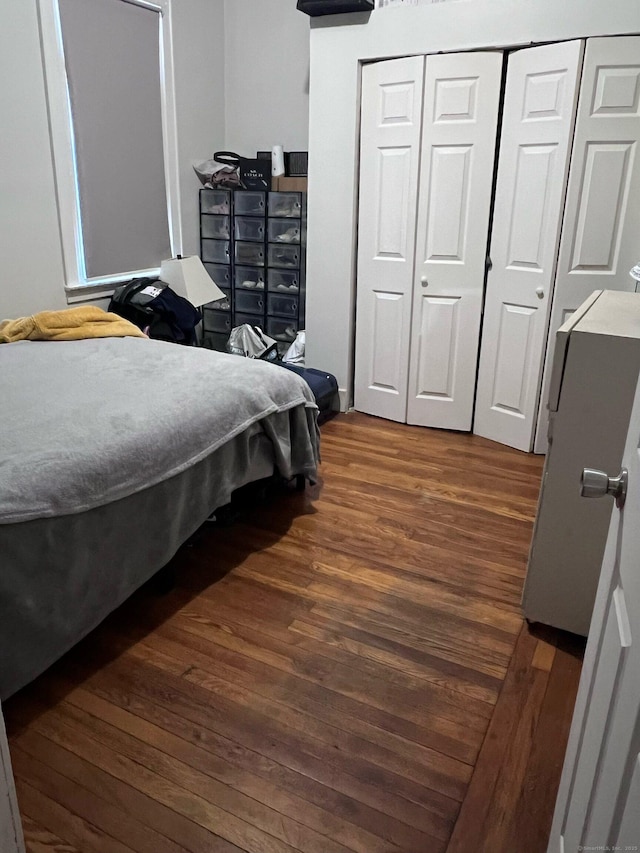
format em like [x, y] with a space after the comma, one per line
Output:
[537, 129]
[459, 126]
[418, 318]
[601, 232]
[391, 117]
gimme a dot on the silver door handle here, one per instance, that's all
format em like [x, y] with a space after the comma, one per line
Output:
[540, 292]
[424, 281]
[597, 484]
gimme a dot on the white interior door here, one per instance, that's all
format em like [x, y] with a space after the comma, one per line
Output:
[598, 805]
[460, 118]
[601, 231]
[537, 128]
[391, 116]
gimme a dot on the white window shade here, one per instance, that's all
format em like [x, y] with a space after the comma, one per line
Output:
[112, 60]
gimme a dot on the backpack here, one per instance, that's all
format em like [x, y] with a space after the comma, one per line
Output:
[154, 307]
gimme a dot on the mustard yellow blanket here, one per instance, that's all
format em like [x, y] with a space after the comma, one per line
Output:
[71, 324]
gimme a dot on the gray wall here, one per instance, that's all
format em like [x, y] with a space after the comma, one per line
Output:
[242, 78]
[31, 274]
[267, 76]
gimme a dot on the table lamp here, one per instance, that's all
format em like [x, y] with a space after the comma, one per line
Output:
[188, 278]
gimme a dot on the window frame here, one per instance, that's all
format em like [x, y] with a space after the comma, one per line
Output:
[78, 285]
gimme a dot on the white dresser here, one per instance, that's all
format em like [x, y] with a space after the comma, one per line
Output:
[595, 373]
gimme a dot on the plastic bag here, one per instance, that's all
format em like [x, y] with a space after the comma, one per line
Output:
[295, 353]
[251, 342]
[217, 176]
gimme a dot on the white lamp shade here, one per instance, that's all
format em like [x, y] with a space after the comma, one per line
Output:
[189, 278]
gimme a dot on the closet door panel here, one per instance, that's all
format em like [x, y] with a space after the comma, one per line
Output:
[391, 115]
[537, 128]
[600, 235]
[460, 114]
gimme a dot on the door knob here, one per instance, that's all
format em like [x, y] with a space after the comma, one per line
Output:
[424, 281]
[597, 484]
[540, 292]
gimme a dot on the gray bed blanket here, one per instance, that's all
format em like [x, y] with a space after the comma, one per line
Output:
[85, 423]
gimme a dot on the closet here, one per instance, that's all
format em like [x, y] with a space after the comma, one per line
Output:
[463, 259]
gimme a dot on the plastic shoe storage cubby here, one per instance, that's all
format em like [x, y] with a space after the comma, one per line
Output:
[215, 201]
[285, 204]
[249, 203]
[281, 329]
[216, 251]
[283, 281]
[283, 231]
[250, 253]
[216, 227]
[249, 228]
[220, 304]
[283, 256]
[220, 273]
[246, 301]
[286, 306]
[252, 242]
[249, 278]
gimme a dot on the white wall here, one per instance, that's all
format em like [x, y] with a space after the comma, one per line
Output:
[338, 45]
[267, 76]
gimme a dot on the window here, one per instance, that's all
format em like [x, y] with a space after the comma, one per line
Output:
[110, 91]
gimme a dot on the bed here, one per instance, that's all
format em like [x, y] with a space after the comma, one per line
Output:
[112, 453]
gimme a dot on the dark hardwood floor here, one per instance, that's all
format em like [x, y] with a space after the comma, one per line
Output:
[344, 670]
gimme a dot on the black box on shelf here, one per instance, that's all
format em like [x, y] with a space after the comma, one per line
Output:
[298, 162]
[295, 162]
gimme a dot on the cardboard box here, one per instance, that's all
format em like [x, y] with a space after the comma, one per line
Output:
[284, 184]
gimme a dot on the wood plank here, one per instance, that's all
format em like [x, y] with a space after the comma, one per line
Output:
[511, 705]
[81, 833]
[114, 820]
[531, 815]
[509, 804]
[41, 840]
